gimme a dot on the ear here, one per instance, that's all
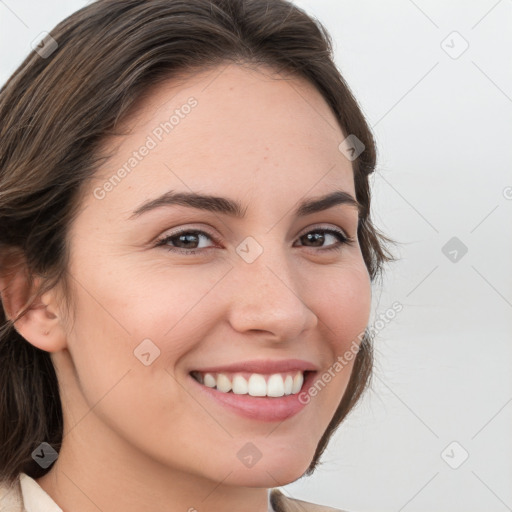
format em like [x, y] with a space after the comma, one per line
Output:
[41, 325]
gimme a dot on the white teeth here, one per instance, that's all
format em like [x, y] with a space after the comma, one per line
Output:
[209, 380]
[297, 383]
[288, 385]
[274, 385]
[240, 386]
[223, 383]
[257, 385]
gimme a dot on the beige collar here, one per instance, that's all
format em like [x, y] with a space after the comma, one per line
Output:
[35, 499]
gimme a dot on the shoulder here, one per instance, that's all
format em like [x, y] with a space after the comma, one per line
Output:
[10, 497]
[282, 503]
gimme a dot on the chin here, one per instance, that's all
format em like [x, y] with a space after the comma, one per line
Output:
[272, 472]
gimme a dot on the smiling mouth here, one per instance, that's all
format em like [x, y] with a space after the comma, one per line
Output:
[253, 384]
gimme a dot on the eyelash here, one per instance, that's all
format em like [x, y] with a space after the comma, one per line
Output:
[342, 238]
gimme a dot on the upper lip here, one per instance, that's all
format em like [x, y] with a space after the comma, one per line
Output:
[262, 366]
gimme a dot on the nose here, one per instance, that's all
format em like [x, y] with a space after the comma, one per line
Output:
[267, 297]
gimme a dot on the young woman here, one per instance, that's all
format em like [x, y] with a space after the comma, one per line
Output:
[186, 258]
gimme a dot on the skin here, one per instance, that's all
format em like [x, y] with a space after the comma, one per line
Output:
[139, 437]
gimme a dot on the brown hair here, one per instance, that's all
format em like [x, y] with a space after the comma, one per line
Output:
[56, 109]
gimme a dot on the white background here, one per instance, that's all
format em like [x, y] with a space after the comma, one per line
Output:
[443, 126]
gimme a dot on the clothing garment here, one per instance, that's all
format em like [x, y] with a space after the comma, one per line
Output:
[282, 503]
[26, 495]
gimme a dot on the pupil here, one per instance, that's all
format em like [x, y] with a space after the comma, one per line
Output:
[318, 237]
[188, 237]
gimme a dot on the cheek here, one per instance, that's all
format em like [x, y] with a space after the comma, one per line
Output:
[121, 307]
[343, 305]
[342, 302]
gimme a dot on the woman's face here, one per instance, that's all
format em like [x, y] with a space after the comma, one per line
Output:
[264, 291]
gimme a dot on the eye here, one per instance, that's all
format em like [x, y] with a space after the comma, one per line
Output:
[186, 241]
[318, 236]
[189, 238]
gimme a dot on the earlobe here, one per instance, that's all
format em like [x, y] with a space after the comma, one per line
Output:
[40, 324]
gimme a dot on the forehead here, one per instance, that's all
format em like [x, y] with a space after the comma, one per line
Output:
[234, 129]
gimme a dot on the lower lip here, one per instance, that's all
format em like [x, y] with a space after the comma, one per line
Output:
[260, 408]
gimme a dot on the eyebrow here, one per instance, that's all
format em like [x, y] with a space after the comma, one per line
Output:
[234, 208]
